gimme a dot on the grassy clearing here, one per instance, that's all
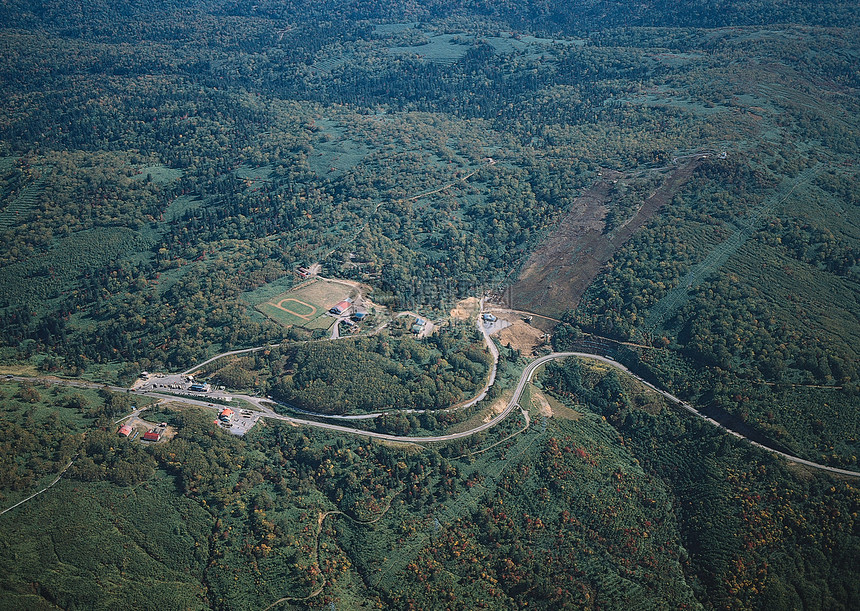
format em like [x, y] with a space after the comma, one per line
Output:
[441, 48]
[332, 159]
[247, 172]
[561, 411]
[307, 305]
[159, 174]
[393, 28]
[532, 46]
[179, 206]
[24, 369]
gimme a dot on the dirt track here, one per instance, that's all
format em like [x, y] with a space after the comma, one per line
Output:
[565, 264]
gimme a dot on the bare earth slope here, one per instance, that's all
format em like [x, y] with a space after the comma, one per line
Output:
[557, 274]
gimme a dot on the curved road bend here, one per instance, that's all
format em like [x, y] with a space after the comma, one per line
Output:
[525, 378]
[512, 404]
[491, 379]
[693, 410]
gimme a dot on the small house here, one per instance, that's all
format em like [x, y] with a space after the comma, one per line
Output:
[124, 430]
[152, 435]
[226, 414]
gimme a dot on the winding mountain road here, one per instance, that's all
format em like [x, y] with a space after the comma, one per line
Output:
[479, 396]
[514, 402]
[262, 403]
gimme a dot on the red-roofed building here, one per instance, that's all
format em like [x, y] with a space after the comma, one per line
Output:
[341, 307]
[125, 430]
[226, 414]
[152, 435]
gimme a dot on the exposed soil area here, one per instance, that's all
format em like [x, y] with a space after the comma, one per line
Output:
[521, 336]
[495, 409]
[540, 404]
[143, 426]
[564, 265]
[466, 309]
[543, 323]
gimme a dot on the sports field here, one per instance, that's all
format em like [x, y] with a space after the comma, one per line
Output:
[306, 305]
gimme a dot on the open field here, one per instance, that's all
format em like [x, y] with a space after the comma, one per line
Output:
[466, 309]
[441, 48]
[306, 305]
[159, 174]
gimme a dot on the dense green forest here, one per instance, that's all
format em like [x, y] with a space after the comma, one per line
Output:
[624, 501]
[755, 316]
[161, 163]
[387, 371]
[151, 179]
[377, 372]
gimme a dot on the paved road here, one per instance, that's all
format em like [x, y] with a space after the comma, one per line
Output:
[525, 378]
[514, 402]
[693, 410]
[482, 394]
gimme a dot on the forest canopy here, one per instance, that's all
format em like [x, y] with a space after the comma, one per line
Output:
[683, 175]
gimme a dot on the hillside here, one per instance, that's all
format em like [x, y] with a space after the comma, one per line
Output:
[674, 188]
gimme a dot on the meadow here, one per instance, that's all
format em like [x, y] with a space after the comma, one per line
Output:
[307, 305]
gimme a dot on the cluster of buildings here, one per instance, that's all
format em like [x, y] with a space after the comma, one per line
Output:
[347, 307]
[341, 307]
[153, 434]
